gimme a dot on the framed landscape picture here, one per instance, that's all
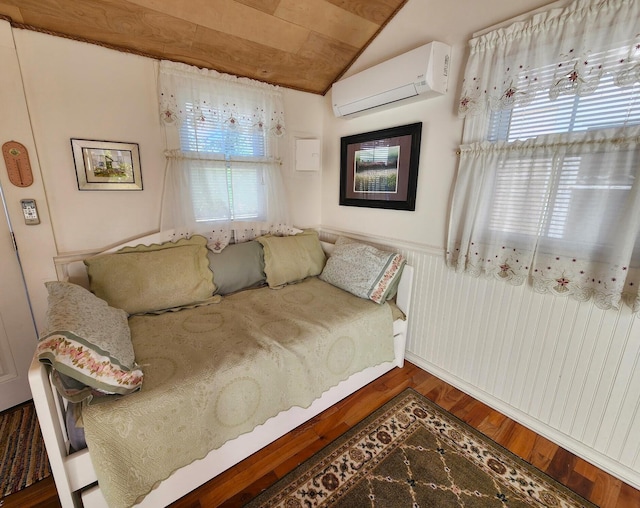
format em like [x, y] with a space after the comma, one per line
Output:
[379, 169]
[106, 165]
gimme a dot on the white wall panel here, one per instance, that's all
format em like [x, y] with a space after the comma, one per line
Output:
[566, 369]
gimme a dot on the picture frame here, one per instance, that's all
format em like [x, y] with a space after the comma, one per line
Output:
[106, 165]
[379, 169]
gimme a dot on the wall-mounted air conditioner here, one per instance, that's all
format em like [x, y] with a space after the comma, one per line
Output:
[418, 74]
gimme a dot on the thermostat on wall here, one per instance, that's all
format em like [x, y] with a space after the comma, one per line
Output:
[30, 212]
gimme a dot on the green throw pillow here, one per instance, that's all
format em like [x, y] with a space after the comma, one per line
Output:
[290, 259]
[153, 278]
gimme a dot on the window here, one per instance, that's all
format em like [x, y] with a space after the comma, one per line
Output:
[548, 186]
[224, 180]
[232, 187]
[554, 196]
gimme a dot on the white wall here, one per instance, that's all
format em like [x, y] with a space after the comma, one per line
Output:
[35, 243]
[79, 90]
[418, 22]
[568, 370]
[304, 120]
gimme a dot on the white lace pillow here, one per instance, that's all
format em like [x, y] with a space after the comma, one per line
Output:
[363, 270]
[88, 343]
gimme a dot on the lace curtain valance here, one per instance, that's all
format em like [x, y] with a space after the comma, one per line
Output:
[561, 51]
[223, 100]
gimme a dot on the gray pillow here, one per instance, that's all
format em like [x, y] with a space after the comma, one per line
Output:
[238, 266]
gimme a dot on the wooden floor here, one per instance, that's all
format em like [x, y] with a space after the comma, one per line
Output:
[244, 481]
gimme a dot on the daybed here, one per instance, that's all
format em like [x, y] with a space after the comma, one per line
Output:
[281, 354]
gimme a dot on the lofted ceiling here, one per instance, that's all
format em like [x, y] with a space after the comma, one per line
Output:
[300, 44]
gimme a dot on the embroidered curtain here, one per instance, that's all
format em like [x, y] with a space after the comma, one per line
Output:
[548, 186]
[223, 175]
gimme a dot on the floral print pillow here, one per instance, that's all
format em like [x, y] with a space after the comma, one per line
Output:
[88, 344]
[363, 270]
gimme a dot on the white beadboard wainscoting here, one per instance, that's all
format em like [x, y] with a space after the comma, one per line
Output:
[565, 369]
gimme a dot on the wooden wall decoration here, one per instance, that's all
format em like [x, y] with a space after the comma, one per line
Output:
[16, 159]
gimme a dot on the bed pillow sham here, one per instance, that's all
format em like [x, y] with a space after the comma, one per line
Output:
[153, 278]
[88, 344]
[238, 266]
[363, 270]
[289, 259]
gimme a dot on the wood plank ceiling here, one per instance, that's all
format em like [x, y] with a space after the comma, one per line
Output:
[300, 44]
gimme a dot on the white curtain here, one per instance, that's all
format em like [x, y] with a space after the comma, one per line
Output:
[563, 51]
[223, 175]
[548, 187]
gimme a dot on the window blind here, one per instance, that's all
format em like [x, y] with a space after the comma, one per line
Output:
[554, 196]
[610, 106]
[234, 191]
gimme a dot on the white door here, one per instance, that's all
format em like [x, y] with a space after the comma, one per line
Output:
[18, 336]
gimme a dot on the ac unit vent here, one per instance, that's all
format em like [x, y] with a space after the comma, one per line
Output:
[417, 74]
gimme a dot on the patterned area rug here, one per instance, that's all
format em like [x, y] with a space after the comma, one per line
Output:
[411, 453]
[24, 459]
